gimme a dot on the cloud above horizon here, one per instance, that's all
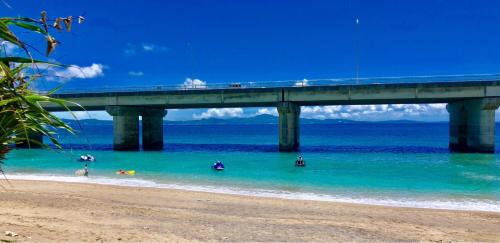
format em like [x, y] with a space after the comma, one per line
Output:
[435, 112]
[418, 112]
[220, 113]
[8, 48]
[74, 71]
[267, 111]
[148, 47]
[377, 112]
[301, 83]
[136, 73]
[80, 115]
[190, 83]
[133, 49]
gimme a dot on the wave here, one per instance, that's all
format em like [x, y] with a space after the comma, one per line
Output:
[444, 203]
[481, 177]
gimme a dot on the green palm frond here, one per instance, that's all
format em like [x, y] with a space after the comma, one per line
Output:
[21, 110]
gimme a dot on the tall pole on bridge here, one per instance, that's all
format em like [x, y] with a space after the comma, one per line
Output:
[357, 49]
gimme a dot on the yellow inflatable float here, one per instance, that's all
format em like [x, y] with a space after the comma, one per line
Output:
[126, 172]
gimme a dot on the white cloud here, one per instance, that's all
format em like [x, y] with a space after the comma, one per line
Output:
[92, 71]
[301, 83]
[148, 47]
[421, 112]
[267, 111]
[378, 112]
[80, 115]
[438, 106]
[135, 73]
[8, 47]
[132, 49]
[129, 50]
[190, 83]
[220, 113]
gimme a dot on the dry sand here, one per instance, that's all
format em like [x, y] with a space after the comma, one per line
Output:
[55, 211]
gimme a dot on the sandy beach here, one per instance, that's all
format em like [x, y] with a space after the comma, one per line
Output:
[54, 211]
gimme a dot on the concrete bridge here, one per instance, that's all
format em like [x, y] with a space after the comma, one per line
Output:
[471, 105]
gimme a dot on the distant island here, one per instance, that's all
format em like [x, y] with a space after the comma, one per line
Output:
[255, 120]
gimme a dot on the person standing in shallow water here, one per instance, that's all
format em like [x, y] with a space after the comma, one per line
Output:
[85, 170]
[299, 161]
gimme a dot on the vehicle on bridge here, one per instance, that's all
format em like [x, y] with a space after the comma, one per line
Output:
[235, 85]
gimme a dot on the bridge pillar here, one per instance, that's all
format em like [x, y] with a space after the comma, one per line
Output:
[35, 140]
[125, 127]
[472, 125]
[152, 128]
[289, 126]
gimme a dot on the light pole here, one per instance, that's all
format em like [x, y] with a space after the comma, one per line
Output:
[357, 52]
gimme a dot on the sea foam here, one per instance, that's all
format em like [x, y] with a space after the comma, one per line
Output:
[444, 203]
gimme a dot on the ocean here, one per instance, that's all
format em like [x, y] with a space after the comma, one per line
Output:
[405, 164]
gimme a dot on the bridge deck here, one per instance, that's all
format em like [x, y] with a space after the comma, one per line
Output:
[338, 94]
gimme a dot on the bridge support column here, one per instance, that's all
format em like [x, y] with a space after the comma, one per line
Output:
[152, 128]
[472, 125]
[125, 127]
[36, 140]
[289, 126]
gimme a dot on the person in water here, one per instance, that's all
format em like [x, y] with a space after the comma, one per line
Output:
[85, 170]
[300, 161]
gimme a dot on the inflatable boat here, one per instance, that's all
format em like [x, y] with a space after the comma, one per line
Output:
[86, 158]
[218, 166]
[126, 172]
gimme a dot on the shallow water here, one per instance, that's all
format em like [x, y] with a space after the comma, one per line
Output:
[390, 164]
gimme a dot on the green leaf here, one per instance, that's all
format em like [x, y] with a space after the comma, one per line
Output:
[21, 110]
[19, 19]
[28, 60]
[27, 26]
[7, 35]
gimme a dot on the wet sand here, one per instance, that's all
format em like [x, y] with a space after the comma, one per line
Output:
[55, 211]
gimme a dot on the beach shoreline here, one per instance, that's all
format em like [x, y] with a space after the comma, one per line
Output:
[465, 204]
[63, 211]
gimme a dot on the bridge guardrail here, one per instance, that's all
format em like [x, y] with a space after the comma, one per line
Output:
[289, 83]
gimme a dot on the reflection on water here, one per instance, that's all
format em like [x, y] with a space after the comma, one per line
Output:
[473, 159]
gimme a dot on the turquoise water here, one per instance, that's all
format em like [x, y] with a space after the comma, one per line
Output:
[392, 164]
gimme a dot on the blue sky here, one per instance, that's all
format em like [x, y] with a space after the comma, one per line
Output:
[137, 43]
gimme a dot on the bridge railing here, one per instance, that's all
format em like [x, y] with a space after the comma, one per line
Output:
[288, 83]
